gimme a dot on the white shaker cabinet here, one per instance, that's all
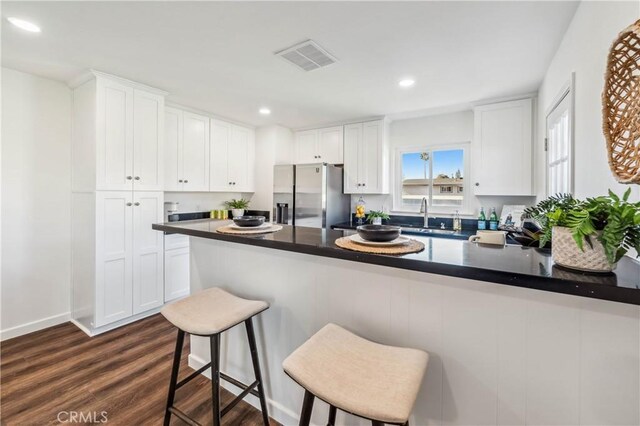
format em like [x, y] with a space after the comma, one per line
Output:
[232, 157]
[186, 151]
[148, 141]
[366, 158]
[502, 149]
[176, 267]
[320, 146]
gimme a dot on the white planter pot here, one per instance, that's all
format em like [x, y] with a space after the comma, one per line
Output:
[565, 252]
[377, 221]
[237, 212]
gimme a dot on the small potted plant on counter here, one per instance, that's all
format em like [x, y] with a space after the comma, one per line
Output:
[590, 235]
[237, 207]
[376, 217]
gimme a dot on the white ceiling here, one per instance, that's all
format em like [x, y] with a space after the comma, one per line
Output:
[218, 56]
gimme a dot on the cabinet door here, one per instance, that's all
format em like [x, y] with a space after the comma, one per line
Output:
[148, 252]
[370, 155]
[239, 159]
[172, 145]
[148, 145]
[195, 152]
[502, 154]
[220, 139]
[331, 145]
[114, 138]
[352, 143]
[114, 256]
[307, 147]
[176, 274]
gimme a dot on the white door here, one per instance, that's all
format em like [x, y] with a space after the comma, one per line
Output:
[114, 256]
[370, 166]
[559, 148]
[331, 145]
[176, 273]
[238, 159]
[148, 251]
[220, 139]
[307, 147]
[195, 152]
[352, 142]
[114, 136]
[148, 146]
[172, 146]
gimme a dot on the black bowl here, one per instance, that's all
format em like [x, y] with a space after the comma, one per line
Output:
[378, 233]
[249, 221]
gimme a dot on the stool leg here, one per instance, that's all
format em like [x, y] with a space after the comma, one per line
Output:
[332, 416]
[174, 376]
[215, 377]
[307, 408]
[256, 369]
[376, 423]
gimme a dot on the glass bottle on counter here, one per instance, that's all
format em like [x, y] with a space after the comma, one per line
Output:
[457, 222]
[360, 211]
[482, 220]
[493, 220]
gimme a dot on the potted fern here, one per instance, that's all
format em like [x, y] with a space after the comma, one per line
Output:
[590, 235]
[237, 207]
[376, 217]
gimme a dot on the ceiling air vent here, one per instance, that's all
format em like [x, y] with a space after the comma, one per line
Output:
[307, 55]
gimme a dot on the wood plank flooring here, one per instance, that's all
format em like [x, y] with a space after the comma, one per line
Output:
[124, 373]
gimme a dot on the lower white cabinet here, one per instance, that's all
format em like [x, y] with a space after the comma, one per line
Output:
[117, 259]
[176, 267]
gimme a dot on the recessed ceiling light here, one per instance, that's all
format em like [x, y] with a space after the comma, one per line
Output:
[265, 111]
[407, 82]
[25, 25]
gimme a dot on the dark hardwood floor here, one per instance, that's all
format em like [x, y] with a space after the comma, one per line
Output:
[124, 373]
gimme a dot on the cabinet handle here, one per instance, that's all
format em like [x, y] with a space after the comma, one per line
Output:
[364, 184]
[180, 181]
[129, 177]
[136, 204]
[186, 181]
[477, 183]
[128, 204]
[234, 183]
[137, 178]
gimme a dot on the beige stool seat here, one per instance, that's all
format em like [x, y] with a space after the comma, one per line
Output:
[211, 311]
[358, 376]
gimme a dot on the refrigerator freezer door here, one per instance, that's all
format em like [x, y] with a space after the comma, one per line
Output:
[311, 183]
[283, 188]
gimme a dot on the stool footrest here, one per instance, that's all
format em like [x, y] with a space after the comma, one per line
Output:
[192, 376]
[238, 398]
[241, 385]
[182, 416]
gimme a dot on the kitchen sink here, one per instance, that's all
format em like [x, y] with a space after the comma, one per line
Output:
[428, 231]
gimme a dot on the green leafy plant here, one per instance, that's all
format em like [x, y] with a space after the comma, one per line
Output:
[377, 213]
[237, 204]
[613, 220]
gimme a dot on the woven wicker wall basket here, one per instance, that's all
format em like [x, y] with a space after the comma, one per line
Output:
[621, 106]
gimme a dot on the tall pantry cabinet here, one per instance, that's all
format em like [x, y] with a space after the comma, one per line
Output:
[117, 182]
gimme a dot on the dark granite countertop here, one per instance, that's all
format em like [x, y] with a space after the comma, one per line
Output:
[510, 265]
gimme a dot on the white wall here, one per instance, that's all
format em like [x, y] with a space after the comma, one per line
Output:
[36, 221]
[202, 201]
[584, 50]
[435, 130]
[274, 145]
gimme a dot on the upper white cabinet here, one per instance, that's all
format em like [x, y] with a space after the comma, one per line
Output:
[118, 132]
[186, 151]
[366, 158]
[232, 157]
[320, 146]
[502, 153]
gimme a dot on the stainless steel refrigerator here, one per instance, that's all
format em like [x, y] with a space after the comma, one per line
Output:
[309, 195]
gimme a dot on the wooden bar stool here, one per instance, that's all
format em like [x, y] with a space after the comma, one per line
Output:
[376, 382]
[209, 313]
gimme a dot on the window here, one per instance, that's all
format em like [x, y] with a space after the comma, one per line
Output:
[559, 144]
[431, 173]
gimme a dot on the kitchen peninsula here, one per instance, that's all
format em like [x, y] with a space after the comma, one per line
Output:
[501, 349]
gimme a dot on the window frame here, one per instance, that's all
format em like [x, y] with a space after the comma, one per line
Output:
[464, 209]
[567, 92]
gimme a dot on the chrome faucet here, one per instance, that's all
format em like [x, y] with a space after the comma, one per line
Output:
[424, 208]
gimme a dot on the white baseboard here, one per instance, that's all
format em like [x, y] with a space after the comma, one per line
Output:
[277, 411]
[30, 327]
[95, 331]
